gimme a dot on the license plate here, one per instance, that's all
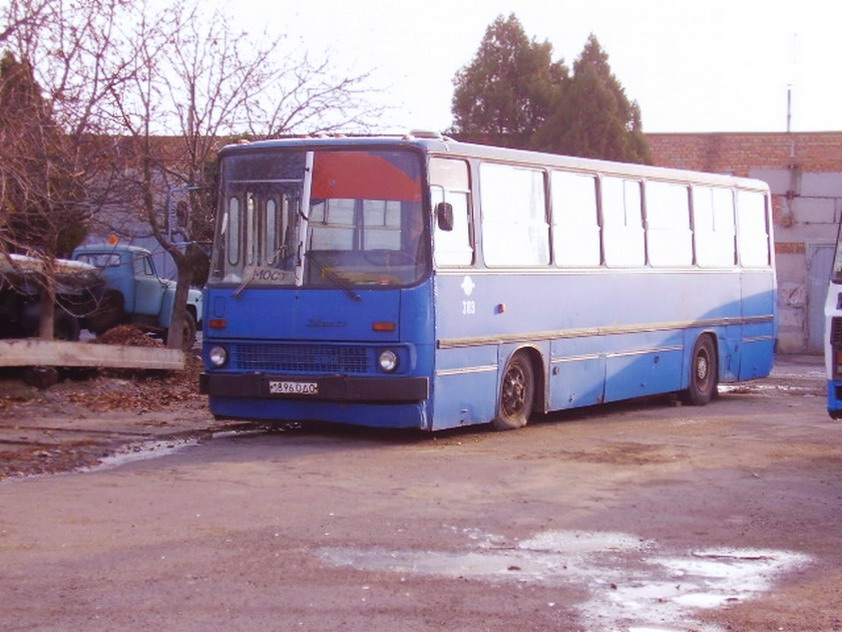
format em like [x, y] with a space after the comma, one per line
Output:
[293, 388]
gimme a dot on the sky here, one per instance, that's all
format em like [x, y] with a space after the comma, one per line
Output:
[692, 65]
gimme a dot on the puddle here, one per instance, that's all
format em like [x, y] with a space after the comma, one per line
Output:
[633, 584]
[157, 448]
[141, 452]
[752, 387]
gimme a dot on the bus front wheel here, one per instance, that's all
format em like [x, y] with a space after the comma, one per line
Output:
[517, 391]
[703, 373]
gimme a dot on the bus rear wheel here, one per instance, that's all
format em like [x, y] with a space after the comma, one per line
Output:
[517, 392]
[703, 373]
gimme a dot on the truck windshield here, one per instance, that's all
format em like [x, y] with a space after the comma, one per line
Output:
[100, 259]
[320, 219]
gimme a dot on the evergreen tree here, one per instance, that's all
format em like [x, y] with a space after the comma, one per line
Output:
[507, 91]
[593, 117]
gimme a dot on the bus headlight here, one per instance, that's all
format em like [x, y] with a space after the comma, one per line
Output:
[218, 356]
[388, 360]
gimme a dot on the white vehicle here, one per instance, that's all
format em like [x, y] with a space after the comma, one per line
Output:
[833, 336]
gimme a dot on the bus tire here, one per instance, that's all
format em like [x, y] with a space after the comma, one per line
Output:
[517, 394]
[703, 372]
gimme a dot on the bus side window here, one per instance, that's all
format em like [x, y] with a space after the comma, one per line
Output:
[752, 229]
[669, 240]
[622, 222]
[453, 247]
[514, 217]
[713, 227]
[575, 219]
[449, 183]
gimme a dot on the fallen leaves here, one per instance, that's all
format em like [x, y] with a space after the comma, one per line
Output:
[106, 390]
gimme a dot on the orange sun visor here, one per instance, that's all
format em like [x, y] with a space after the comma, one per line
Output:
[375, 175]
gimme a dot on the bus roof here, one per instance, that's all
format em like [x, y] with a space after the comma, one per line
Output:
[439, 145]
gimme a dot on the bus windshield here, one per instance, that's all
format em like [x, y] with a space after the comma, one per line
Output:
[321, 219]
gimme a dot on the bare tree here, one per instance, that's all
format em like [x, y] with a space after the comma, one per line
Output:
[143, 98]
[201, 83]
[18, 15]
[62, 63]
[43, 206]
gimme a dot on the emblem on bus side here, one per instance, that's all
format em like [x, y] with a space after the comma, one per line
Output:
[318, 322]
[468, 285]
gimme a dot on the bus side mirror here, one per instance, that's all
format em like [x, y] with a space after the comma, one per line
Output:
[444, 216]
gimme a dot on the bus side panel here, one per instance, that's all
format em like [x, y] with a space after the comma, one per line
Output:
[644, 364]
[464, 386]
[661, 307]
[721, 290]
[759, 331]
[730, 345]
[577, 374]
[612, 335]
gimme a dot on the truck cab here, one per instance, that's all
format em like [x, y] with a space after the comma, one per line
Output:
[135, 293]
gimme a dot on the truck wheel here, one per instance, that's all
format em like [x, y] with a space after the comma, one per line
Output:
[109, 313]
[189, 332]
[66, 327]
[188, 338]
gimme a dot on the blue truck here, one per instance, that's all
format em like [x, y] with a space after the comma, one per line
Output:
[134, 293]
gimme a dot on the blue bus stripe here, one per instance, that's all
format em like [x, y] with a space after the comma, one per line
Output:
[561, 334]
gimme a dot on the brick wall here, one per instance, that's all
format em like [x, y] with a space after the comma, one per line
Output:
[804, 172]
[738, 153]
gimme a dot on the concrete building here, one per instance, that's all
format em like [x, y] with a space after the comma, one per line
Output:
[804, 172]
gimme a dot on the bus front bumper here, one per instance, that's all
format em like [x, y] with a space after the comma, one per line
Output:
[334, 388]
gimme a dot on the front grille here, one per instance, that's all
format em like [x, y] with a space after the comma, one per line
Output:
[280, 358]
[836, 332]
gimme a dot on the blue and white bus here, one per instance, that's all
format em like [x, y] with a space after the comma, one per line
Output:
[419, 282]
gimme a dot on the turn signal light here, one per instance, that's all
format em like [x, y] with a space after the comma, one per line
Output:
[384, 326]
[217, 323]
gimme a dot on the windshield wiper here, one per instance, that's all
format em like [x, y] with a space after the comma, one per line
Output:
[331, 276]
[248, 277]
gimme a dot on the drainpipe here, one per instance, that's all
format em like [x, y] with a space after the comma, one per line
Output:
[787, 215]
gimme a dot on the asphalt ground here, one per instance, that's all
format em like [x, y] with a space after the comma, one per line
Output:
[83, 423]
